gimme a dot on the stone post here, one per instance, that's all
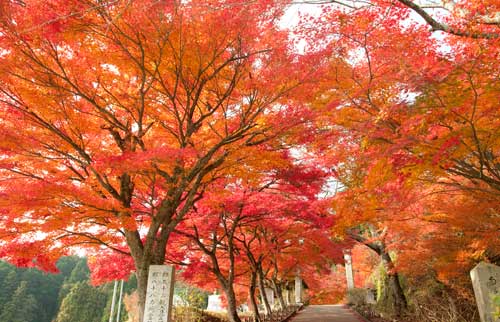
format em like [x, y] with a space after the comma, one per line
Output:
[486, 282]
[214, 302]
[159, 294]
[348, 271]
[270, 296]
[298, 289]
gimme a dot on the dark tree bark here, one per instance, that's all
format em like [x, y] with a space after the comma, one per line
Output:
[232, 313]
[279, 293]
[251, 293]
[394, 286]
[395, 291]
[209, 247]
[262, 288]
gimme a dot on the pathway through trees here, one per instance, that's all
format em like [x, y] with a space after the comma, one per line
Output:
[326, 313]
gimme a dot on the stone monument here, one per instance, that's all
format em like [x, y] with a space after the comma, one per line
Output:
[486, 282]
[214, 303]
[270, 296]
[298, 289]
[348, 271]
[371, 296]
[159, 294]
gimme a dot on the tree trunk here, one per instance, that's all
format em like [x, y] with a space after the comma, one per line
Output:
[143, 259]
[142, 284]
[279, 294]
[232, 313]
[262, 289]
[395, 291]
[394, 286]
[141, 262]
[251, 293]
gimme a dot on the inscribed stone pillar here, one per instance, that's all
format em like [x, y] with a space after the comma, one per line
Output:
[348, 271]
[270, 296]
[486, 282]
[298, 289]
[159, 294]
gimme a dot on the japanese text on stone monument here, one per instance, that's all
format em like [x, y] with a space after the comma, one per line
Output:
[159, 293]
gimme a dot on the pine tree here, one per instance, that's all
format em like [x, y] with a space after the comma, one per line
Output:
[9, 286]
[84, 303]
[79, 272]
[67, 264]
[22, 307]
[5, 268]
[45, 288]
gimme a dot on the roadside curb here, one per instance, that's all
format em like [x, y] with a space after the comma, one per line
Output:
[294, 313]
[358, 316]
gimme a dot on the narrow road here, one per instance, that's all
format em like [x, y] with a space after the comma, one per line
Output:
[326, 313]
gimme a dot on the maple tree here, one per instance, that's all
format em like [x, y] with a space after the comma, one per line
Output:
[242, 234]
[116, 116]
[471, 19]
[153, 128]
[407, 121]
[460, 18]
[331, 287]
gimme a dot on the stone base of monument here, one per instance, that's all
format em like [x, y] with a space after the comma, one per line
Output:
[215, 303]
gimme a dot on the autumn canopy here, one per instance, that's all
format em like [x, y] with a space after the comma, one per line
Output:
[214, 136]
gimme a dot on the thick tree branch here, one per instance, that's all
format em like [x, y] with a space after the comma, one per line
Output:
[439, 26]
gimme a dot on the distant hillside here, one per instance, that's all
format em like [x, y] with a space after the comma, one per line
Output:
[29, 295]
